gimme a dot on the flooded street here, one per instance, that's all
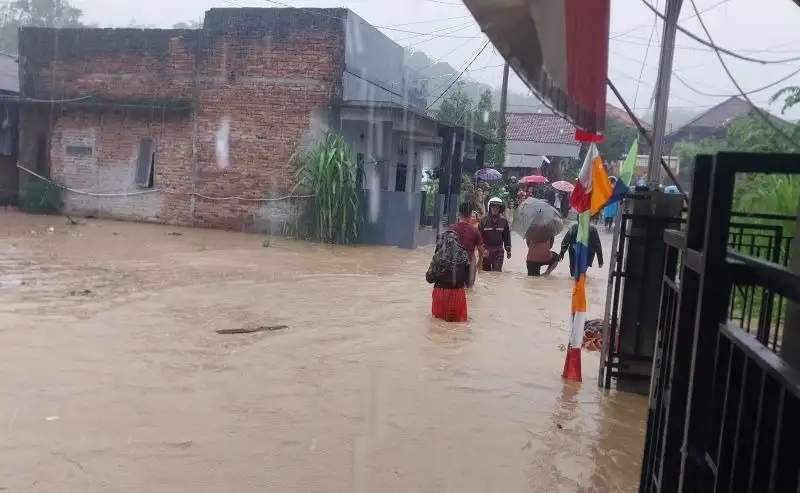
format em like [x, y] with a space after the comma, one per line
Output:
[114, 378]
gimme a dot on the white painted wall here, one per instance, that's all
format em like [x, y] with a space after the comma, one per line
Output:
[542, 149]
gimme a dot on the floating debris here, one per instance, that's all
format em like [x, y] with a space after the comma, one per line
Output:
[250, 330]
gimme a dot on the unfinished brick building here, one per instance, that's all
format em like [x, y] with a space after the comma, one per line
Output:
[130, 117]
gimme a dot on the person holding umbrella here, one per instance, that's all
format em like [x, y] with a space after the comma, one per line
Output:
[496, 235]
[539, 223]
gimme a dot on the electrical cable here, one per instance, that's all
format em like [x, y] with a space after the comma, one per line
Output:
[276, 2]
[636, 28]
[742, 93]
[458, 76]
[430, 37]
[646, 53]
[752, 91]
[711, 44]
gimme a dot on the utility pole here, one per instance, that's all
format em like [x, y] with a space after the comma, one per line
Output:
[501, 131]
[662, 89]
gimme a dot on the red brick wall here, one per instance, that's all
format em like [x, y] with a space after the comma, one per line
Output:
[268, 71]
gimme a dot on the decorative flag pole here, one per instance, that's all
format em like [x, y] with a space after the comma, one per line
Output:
[621, 187]
[592, 191]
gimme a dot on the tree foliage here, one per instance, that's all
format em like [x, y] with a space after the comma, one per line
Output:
[771, 193]
[458, 108]
[39, 13]
[617, 140]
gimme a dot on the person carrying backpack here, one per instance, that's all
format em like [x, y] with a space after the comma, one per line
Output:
[449, 272]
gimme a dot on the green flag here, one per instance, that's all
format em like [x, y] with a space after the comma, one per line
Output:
[626, 172]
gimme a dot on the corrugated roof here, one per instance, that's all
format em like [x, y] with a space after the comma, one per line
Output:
[540, 127]
[9, 73]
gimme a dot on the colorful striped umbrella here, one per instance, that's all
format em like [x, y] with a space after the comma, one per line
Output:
[592, 192]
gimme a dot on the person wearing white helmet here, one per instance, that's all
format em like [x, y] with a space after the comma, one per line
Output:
[496, 236]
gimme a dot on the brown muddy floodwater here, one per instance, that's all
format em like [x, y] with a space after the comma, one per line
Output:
[114, 379]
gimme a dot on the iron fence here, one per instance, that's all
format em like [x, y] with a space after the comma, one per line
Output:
[755, 309]
[724, 402]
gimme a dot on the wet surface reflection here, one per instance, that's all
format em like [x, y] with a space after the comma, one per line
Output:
[114, 378]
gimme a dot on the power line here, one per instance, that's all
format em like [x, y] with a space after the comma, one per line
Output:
[757, 110]
[459, 75]
[644, 61]
[388, 28]
[752, 91]
[428, 21]
[450, 30]
[717, 49]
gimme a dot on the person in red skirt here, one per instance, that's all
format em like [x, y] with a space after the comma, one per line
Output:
[449, 272]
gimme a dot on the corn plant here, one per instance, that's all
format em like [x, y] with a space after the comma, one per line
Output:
[329, 173]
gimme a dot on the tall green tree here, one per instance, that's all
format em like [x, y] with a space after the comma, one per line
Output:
[40, 13]
[458, 108]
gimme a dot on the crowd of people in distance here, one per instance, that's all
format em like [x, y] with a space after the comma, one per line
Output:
[480, 239]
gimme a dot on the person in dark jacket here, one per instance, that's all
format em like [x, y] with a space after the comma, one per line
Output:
[449, 272]
[595, 247]
[496, 236]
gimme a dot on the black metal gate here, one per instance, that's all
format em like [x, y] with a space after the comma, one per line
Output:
[724, 412]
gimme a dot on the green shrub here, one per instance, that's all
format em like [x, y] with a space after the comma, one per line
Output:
[329, 173]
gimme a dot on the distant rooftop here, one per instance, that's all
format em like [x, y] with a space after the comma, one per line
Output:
[540, 127]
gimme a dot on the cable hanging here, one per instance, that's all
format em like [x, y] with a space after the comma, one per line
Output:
[752, 91]
[711, 44]
[742, 93]
[458, 76]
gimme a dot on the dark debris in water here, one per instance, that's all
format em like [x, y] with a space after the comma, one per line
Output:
[81, 292]
[250, 330]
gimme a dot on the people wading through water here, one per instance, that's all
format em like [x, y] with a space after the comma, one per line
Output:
[595, 247]
[449, 272]
[496, 236]
[540, 255]
[469, 237]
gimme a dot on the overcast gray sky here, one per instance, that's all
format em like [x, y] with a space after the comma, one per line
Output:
[762, 28]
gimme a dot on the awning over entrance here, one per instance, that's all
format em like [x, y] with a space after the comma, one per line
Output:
[559, 48]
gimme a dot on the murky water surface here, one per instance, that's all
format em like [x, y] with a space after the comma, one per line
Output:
[113, 378]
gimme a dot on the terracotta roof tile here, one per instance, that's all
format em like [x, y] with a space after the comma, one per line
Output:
[622, 116]
[539, 127]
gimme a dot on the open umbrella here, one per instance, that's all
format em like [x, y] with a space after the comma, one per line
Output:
[563, 186]
[488, 174]
[533, 179]
[538, 220]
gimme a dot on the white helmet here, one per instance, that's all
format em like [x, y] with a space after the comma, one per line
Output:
[495, 200]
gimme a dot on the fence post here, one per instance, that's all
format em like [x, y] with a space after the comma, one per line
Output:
[712, 308]
[790, 344]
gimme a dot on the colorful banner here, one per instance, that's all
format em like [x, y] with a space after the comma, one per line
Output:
[559, 48]
[592, 192]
